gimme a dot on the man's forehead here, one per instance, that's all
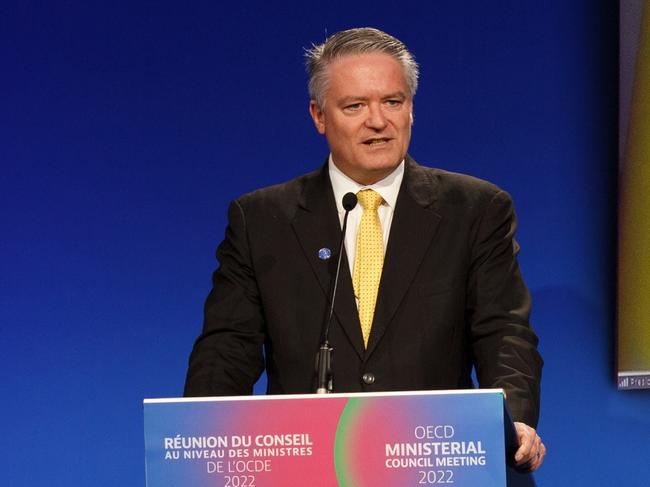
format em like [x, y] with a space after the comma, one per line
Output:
[367, 67]
[353, 75]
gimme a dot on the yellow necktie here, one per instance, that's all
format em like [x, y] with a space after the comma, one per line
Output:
[369, 259]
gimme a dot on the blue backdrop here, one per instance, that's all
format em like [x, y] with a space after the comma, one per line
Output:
[126, 127]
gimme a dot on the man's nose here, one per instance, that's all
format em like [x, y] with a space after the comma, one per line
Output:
[376, 119]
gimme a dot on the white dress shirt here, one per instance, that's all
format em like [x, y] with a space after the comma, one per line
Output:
[388, 188]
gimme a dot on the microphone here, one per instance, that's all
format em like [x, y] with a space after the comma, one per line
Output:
[324, 355]
[349, 202]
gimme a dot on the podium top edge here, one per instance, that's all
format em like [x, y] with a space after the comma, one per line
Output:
[264, 397]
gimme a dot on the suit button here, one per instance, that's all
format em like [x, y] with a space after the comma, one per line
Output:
[368, 378]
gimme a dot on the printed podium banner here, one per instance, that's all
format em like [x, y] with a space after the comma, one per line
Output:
[453, 438]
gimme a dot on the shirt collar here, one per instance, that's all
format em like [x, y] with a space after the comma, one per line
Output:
[388, 187]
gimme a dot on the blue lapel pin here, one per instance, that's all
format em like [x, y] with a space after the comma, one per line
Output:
[324, 253]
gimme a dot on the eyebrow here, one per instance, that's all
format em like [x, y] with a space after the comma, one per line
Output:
[350, 99]
[396, 94]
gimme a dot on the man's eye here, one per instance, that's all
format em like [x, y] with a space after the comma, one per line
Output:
[393, 103]
[353, 107]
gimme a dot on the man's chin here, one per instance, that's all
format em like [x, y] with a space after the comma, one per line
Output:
[371, 173]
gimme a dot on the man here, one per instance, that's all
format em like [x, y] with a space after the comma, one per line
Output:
[429, 288]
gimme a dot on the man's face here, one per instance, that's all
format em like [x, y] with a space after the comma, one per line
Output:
[367, 115]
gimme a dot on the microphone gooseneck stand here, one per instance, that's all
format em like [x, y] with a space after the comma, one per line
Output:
[324, 356]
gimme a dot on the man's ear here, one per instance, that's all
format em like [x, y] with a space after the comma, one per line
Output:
[318, 116]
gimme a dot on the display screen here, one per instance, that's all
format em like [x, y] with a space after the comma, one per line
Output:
[634, 198]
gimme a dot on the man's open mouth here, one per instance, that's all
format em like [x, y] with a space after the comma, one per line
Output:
[378, 141]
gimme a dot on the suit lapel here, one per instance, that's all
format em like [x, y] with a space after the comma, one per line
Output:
[316, 225]
[413, 227]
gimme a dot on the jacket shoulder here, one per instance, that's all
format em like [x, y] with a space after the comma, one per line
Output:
[454, 188]
[278, 198]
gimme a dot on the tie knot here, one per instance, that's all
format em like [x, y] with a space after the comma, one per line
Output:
[369, 199]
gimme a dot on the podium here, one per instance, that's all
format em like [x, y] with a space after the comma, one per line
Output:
[391, 439]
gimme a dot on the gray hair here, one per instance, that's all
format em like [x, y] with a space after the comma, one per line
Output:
[356, 41]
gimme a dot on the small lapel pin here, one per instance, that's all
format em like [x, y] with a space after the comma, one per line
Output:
[324, 253]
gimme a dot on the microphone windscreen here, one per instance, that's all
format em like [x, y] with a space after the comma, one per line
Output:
[349, 201]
